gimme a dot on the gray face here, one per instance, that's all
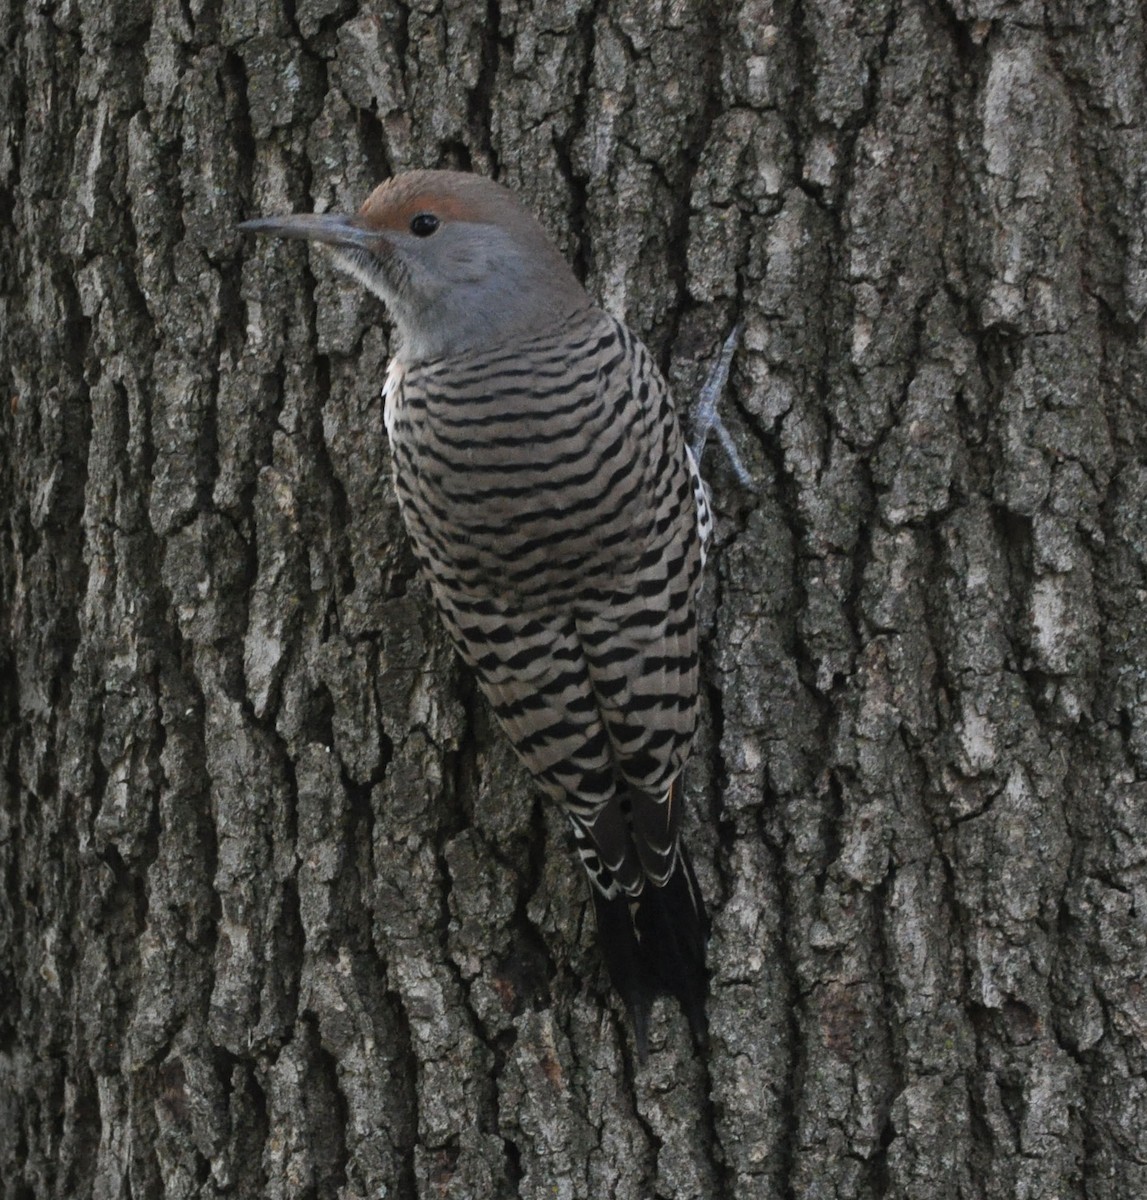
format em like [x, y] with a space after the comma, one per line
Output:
[454, 280]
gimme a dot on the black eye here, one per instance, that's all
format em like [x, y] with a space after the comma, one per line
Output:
[423, 225]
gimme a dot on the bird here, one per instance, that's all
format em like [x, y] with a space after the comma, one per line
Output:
[558, 516]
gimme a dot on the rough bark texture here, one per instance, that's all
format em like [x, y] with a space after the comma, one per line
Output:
[281, 915]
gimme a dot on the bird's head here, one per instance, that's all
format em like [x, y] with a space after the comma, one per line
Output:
[460, 264]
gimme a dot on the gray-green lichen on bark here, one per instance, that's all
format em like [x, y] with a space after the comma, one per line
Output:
[282, 916]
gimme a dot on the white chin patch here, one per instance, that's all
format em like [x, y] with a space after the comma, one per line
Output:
[357, 266]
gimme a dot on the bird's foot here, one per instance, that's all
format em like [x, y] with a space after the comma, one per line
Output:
[706, 419]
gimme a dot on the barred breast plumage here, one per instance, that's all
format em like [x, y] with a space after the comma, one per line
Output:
[547, 486]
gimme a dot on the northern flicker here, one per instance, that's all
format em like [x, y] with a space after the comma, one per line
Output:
[561, 524]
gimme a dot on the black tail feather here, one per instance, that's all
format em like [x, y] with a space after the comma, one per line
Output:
[654, 945]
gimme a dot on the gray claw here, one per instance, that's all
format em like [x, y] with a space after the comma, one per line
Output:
[705, 417]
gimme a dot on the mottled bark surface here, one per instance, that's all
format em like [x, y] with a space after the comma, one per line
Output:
[281, 915]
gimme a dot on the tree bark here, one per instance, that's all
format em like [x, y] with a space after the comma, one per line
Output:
[282, 916]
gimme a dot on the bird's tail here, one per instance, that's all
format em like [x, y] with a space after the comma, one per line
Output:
[654, 945]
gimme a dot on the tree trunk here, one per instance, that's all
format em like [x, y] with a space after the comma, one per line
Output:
[282, 916]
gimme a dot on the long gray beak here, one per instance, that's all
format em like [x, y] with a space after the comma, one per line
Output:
[333, 229]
